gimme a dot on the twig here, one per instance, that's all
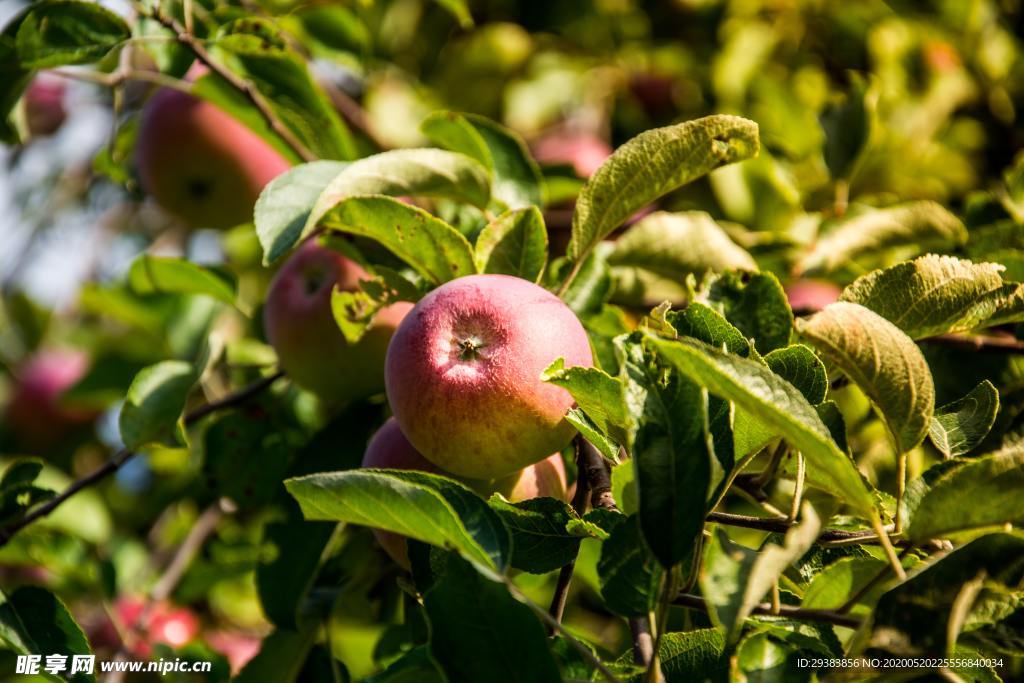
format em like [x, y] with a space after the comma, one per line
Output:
[353, 113]
[243, 86]
[781, 525]
[989, 343]
[799, 613]
[171, 577]
[550, 621]
[643, 641]
[579, 504]
[901, 489]
[598, 479]
[124, 455]
[798, 490]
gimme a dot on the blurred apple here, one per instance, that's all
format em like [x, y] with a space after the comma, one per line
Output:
[44, 104]
[585, 152]
[34, 414]
[809, 295]
[300, 325]
[200, 163]
[239, 648]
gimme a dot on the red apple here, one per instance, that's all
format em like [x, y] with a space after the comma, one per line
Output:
[808, 296]
[300, 326]
[44, 104]
[390, 449]
[145, 624]
[201, 164]
[584, 151]
[35, 414]
[239, 648]
[463, 374]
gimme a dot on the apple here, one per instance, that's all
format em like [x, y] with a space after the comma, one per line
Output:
[34, 413]
[201, 164]
[463, 374]
[809, 295]
[584, 151]
[44, 104]
[148, 623]
[238, 647]
[300, 325]
[391, 450]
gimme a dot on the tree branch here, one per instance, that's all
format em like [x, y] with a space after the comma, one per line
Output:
[579, 504]
[799, 613]
[782, 525]
[124, 455]
[243, 86]
[988, 343]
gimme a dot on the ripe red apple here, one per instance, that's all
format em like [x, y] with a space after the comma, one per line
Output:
[390, 449]
[808, 295]
[44, 104]
[147, 623]
[584, 151]
[35, 414]
[201, 164]
[300, 326]
[463, 374]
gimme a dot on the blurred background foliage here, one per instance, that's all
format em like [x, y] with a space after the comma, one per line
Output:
[860, 104]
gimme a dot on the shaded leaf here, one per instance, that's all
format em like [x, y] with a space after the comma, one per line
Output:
[158, 274]
[958, 427]
[756, 304]
[799, 366]
[64, 32]
[479, 632]
[33, 621]
[514, 243]
[975, 494]
[883, 361]
[697, 655]
[847, 125]
[629, 574]
[154, 402]
[541, 539]
[517, 180]
[778, 404]
[734, 579]
[921, 224]
[281, 657]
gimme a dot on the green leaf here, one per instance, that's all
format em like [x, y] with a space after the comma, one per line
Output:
[652, 164]
[415, 666]
[405, 172]
[688, 656]
[517, 180]
[673, 456]
[975, 494]
[64, 32]
[479, 632]
[669, 246]
[458, 9]
[541, 540]
[921, 224]
[734, 579]
[833, 418]
[839, 581]
[260, 53]
[756, 304]
[436, 250]
[958, 427]
[932, 295]
[228, 445]
[514, 243]
[591, 288]
[597, 394]
[847, 125]
[422, 506]
[883, 361]
[34, 621]
[762, 657]
[285, 580]
[629, 574]
[285, 203]
[779, 405]
[707, 325]
[918, 612]
[158, 274]
[799, 366]
[152, 407]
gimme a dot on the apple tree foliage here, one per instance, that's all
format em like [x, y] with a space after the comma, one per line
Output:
[776, 476]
